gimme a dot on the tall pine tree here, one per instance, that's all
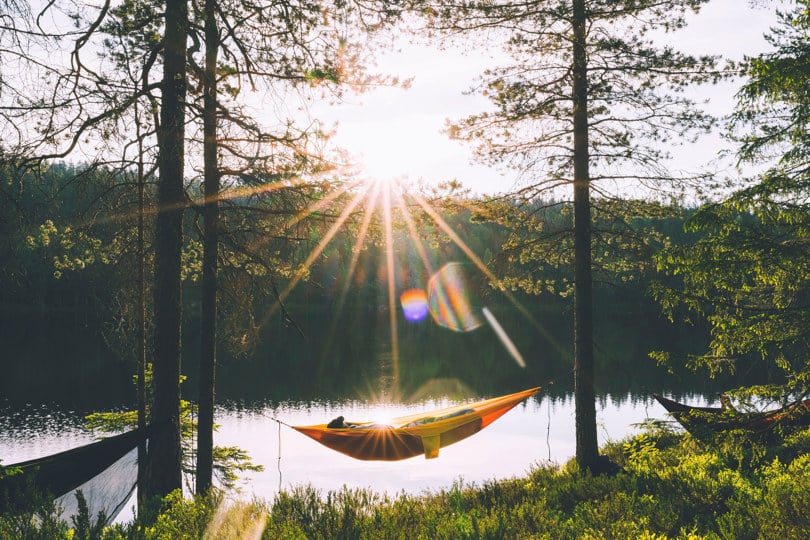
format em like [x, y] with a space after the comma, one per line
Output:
[585, 106]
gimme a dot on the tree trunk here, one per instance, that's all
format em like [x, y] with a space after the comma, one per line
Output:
[141, 332]
[208, 351]
[165, 469]
[587, 450]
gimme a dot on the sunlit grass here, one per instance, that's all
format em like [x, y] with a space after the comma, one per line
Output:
[668, 488]
[236, 519]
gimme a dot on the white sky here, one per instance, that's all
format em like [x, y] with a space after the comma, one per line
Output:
[396, 133]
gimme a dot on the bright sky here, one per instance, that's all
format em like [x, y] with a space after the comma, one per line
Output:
[396, 132]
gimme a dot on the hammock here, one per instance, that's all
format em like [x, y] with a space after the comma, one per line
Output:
[105, 471]
[415, 434]
[705, 422]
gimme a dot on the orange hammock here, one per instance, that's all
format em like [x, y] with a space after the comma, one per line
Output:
[409, 436]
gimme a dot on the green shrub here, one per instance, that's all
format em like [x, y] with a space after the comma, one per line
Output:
[785, 512]
[671, 488]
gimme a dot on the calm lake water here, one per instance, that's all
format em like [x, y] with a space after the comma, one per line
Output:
[309, 380]
[537, 432]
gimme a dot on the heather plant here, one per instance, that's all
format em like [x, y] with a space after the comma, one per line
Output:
[669, 487]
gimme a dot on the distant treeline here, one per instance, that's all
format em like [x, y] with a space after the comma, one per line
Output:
[67, 246]
[68, 252]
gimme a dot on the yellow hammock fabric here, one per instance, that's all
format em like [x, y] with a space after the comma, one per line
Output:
[409, 436]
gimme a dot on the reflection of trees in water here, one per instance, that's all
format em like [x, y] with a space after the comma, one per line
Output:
[61, 365]
[354, 363]
[346, 356]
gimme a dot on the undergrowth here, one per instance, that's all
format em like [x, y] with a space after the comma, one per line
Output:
[670, 487]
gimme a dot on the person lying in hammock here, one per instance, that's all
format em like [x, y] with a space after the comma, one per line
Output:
[340, 423]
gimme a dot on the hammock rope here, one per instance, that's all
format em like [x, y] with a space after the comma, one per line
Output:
[411, 435]
[278, 462]
[548, 428]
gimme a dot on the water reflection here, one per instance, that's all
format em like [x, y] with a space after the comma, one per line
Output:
[349, 356]
[34, 431]
[311, 379]
[537, 432]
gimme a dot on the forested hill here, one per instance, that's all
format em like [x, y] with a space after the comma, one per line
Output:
[68, 242]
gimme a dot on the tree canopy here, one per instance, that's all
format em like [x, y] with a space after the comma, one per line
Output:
[748, 275]
[585, 106]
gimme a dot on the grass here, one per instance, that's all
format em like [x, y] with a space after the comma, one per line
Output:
[671, 487]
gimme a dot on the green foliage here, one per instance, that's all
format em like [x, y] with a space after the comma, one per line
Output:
[671, 488]
[231, 460]
[228, 460]
[775, 102]
[40, 525]
[304, 514]
[73, 249]
[787, 499]
[41, 519]
[748, 275]
[31, 515]
[536, 252]
[83, 526]
[181, 518]
[530, 125]
[8, 471]
[748, 278]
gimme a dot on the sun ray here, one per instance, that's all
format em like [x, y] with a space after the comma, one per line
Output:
[229, 193]
[457, 240]
[413, 234]
[504, 337]
[331, 196]
[482, 267]
[389, 262]
[309, 210]
[226, 194]
[347, 210]
[361, 238]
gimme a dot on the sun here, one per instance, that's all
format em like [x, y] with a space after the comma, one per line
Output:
[384, 183]
[380, 163]
[384, 199]
[394, 149]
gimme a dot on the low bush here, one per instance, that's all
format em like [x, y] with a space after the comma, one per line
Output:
[669, 487]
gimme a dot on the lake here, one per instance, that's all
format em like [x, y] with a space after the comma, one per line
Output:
[306, 380]
[536, 432]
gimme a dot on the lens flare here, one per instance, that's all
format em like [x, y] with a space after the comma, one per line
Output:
[504, 337]
[414, 304]
[449, 299]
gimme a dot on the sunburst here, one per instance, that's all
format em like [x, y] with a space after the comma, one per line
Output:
[384, 198]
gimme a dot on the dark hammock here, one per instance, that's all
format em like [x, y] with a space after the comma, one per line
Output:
[106, 472]
[705, 422]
